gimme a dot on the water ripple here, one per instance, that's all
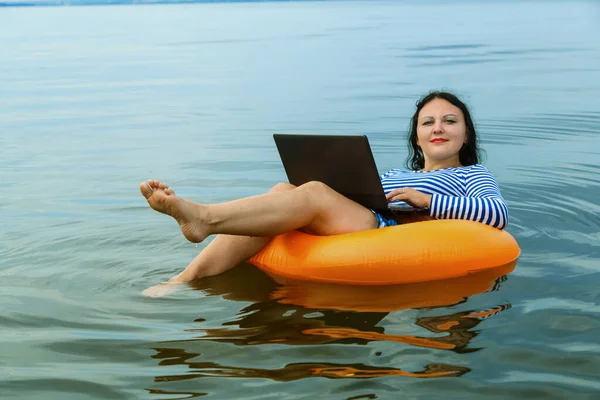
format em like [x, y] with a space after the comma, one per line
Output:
[529, 377]
[545, 127]
[63, 387]
[560, 304]
[447, 47]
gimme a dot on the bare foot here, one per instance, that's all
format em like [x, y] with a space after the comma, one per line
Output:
[163, 289]
[190, 216]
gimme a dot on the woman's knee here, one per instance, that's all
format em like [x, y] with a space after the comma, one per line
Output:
[316, 188]
[319, 196]
[281, 186]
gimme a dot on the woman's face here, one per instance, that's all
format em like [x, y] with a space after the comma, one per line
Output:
[441, 133]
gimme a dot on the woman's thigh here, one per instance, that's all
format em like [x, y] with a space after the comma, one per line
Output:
[334, 213]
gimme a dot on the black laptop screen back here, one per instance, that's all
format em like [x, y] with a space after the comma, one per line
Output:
[344, 163]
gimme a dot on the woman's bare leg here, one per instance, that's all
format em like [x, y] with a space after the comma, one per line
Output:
[313, 207]
[226, 251]
[222, 254]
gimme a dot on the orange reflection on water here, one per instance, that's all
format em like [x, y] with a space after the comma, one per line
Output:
[307, 313]
[296, 371]
[446, 292]
[457, 327]
[344, 333]
[431, 371]
[297, 329]
[284, 313]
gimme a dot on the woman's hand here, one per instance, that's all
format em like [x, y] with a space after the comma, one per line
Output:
[410, 196]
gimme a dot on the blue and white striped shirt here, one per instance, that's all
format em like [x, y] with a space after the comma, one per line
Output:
[457, 193]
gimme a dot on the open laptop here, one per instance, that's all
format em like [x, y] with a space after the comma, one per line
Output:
[345, 163]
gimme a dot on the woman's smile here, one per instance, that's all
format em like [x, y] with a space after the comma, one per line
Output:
[439, 140]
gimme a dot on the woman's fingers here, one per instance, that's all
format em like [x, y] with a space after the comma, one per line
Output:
[391, 196]
[410, 196]
[396, 197]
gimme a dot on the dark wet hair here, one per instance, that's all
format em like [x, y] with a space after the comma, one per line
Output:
[469, 154]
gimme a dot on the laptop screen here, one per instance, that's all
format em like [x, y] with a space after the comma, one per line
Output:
[344, 163]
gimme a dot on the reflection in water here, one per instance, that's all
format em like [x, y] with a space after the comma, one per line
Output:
[170, 394]
[272, 318]
[388, 298]
[296, 371]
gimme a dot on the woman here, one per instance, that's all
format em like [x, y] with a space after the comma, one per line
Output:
[443, 176]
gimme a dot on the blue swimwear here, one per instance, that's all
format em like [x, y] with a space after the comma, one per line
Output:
[383, 222]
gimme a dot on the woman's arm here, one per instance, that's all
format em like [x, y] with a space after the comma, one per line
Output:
[482, 203]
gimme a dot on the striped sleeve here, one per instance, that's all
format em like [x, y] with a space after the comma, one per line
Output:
[387, 174]
[482, 201]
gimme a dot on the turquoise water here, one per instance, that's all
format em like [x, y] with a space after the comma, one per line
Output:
[94, 100]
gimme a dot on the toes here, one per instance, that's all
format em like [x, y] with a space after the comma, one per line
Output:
[157, 184]
[146, 189]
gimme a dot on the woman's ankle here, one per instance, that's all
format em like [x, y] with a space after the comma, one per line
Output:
[183, 277]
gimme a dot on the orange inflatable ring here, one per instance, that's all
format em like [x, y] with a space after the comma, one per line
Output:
[415, 252]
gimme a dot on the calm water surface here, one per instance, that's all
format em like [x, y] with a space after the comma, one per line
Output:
[94, 100]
